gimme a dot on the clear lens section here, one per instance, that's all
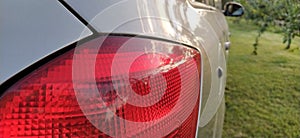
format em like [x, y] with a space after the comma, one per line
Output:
[108, 87]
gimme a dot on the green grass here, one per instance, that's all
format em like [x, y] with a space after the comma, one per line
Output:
[263, 91]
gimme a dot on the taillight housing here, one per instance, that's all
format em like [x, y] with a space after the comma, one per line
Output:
[111, 86]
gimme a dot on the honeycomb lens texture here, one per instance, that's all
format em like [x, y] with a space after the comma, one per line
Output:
[45, 103]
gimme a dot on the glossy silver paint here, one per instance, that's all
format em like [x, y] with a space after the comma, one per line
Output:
[194, 24]
[32, 29]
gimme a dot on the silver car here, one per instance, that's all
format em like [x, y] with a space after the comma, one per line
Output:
[117, 68]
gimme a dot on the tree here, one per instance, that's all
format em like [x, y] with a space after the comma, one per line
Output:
[291, 17]
[265, 13]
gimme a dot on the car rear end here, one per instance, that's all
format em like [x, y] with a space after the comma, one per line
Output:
[111, 69]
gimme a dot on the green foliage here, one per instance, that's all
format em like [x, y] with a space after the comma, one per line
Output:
[266, 13]
[263, 91]
[291, 17]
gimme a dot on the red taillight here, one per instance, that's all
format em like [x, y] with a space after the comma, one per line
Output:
[108, 87]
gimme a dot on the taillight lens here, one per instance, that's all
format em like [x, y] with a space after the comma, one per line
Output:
[108, 87]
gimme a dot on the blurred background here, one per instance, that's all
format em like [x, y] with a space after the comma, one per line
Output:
[263, 84]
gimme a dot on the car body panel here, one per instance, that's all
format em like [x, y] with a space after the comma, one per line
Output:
[50, 29]
[30, 30]
[176, 20]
